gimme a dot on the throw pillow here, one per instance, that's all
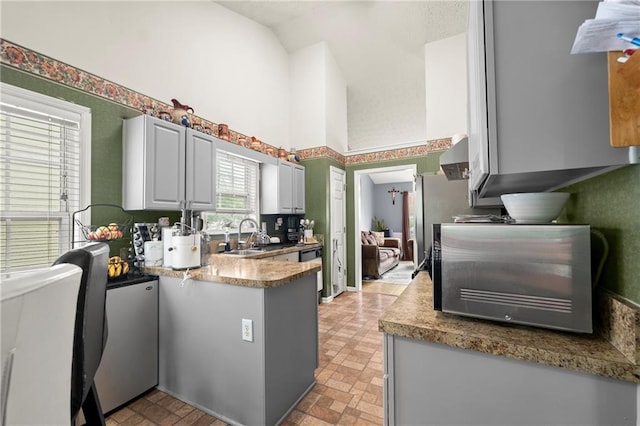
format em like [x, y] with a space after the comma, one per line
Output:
[363, 237]
[379, 237]
[371, 239]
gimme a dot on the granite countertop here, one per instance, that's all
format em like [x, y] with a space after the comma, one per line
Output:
[611, 353]
[254, 270]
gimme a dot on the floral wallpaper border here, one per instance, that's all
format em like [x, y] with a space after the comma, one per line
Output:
[24, 59]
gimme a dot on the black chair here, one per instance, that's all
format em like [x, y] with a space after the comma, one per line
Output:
[90, 334]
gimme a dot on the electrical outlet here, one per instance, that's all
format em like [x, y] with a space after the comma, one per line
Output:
[247, 330]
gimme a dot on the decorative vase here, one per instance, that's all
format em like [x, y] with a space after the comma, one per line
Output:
[180, 113]
[256, 144]
[223, 131]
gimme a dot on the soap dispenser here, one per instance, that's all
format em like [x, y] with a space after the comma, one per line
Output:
[227, 243]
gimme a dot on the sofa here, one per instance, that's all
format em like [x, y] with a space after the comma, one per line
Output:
[379, 254]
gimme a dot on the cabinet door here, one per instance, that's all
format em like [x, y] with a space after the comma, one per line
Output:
[200, 171]
[164, 165]
[559, 119]
[285, 187]
[477, 92]
[129, 363]
[287, 257]
[546, 118]
[298, 189]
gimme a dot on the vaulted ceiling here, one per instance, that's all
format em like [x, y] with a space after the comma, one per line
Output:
[379, 47]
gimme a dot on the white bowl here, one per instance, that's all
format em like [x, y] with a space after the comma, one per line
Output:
[535, 207]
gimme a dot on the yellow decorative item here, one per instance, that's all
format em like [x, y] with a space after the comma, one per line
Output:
[117, 267]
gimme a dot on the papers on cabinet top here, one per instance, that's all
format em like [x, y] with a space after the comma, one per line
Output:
[612, 17]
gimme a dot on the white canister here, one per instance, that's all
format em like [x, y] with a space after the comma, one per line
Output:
[186, 251]
[153, 253]
[308, 235]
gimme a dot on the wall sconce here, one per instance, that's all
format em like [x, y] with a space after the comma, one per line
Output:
[393, 193]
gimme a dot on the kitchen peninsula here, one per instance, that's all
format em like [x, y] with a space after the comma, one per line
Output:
[447, 369]
[239, 337]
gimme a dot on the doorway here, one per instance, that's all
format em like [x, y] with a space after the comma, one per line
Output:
[397, 175]
[338, 234]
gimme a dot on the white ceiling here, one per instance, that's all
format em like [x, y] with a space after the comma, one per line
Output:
[379, 47]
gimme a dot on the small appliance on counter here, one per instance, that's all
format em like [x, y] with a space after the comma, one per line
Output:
[143, 232]
[537, 275]
[293, 234]
[153, 253]
[185, 248]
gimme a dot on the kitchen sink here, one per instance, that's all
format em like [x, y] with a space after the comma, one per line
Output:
[244, 252]
[256, 250]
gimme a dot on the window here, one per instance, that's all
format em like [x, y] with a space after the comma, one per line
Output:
[236, 192]
[44, 175]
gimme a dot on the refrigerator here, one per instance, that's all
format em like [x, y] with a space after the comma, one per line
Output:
[437, 201]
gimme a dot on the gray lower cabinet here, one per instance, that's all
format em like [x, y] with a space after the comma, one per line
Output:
[129, 365]
[205, 361]
[434, 384]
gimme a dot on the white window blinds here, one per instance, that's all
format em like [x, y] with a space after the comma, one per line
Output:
[41, 178]
[237, 183]
[236, 191]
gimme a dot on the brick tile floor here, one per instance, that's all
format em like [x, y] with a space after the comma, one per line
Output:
[349, 378]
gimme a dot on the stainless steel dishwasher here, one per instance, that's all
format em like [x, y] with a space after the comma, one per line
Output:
[313, 254]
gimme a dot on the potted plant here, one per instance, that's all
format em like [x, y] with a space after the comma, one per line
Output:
[381, 226]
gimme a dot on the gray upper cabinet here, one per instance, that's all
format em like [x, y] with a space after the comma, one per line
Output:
[298, 189]
[282, 188]
[167, 166]
[538, 116]
[201, 171]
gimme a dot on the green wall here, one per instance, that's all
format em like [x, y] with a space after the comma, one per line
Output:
[106, 146]
[426, 164]
[317, 179]
[610, 203]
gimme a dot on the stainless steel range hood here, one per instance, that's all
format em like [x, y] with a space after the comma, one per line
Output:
[455, 162]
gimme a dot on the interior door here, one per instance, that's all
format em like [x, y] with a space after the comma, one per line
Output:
[338, 227]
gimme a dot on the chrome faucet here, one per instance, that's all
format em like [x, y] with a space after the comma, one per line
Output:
[255, 224]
